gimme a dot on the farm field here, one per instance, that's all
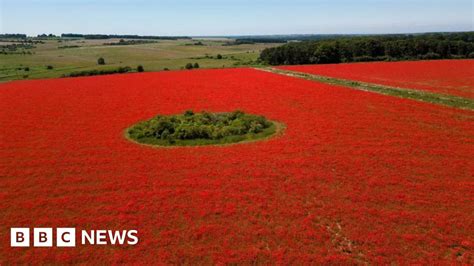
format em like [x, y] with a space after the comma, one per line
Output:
[356, 177]
[157, 55]
[451, 77]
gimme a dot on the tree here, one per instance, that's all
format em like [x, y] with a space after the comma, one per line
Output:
[189, 66]
[327, 54]
[196, 65]
[49, 67]
[219, 56]
[101, 61]
[140, 68]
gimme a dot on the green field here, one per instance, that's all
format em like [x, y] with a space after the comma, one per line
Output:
[171, 54]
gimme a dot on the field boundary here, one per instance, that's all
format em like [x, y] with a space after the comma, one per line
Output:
[441, 99]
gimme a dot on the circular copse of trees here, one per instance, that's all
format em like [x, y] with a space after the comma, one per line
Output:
[195, 129]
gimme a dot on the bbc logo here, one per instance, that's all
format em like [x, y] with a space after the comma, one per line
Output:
[66, 237]
[43, 237]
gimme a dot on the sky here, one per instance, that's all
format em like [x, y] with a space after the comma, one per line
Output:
[234, 17]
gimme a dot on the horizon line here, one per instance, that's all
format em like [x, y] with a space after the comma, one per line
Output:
[250, 35]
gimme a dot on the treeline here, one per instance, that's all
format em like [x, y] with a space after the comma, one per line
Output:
[108, 36]
[253, 41]
[13, 36]
[373, 48]
[45, 36]
[293, 37]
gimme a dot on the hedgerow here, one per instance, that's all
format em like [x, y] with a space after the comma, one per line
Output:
[96, 72]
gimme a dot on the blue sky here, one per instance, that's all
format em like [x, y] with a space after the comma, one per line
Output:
[234, 17]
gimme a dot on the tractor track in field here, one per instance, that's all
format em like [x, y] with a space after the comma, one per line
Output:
[434, 98]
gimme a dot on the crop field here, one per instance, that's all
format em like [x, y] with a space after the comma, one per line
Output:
[355, 177]
[450, 77]
[69, 55]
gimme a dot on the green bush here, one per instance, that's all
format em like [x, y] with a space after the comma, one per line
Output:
[101, 61]
[189, 66]
[197, 128]
[140, 68]
[196, 65]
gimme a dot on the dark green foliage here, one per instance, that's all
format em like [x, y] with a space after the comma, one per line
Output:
[49, 67]
[96, 72]
[101, 61]
[27, 69]
[140, 68]
[372, 48]
[188, 113]
[196, 65]
[166, 69]
[189, 66]
[203, 128]
[219, 56]
[327, 54]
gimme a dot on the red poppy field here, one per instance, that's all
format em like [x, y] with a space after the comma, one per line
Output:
[451, 77]
[356, 177]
